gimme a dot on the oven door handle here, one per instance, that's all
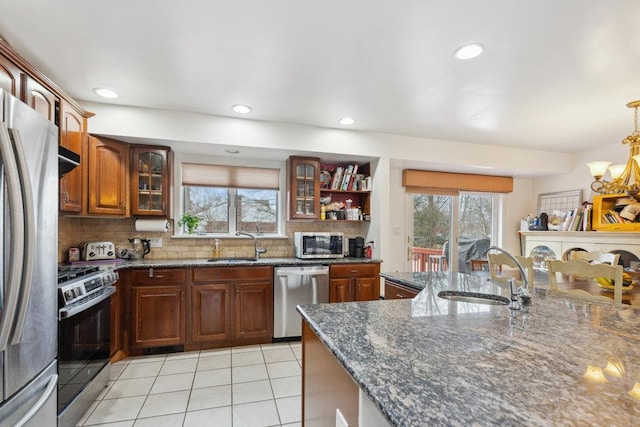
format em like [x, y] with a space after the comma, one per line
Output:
[29, 237]
[65, 313]
[16, 224]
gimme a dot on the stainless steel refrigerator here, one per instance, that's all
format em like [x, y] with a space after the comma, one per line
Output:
[29, 236]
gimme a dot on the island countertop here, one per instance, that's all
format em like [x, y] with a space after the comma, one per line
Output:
[430, 361]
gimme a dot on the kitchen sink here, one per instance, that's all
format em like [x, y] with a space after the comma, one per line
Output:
[231, 260]
[474, 297]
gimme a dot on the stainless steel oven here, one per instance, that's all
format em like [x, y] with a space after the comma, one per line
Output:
[84, 331]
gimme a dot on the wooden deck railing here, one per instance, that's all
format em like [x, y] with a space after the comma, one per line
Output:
[428, 259]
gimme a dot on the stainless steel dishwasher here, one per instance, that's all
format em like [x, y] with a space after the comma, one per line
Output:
[293, 286]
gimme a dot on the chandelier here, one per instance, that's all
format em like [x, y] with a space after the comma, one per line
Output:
[625, 177]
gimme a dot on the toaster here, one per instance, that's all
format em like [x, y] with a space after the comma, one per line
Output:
[93, 251]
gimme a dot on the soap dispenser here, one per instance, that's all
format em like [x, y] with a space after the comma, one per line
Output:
[216, 249]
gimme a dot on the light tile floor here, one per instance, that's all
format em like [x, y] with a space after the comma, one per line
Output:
[233, 387]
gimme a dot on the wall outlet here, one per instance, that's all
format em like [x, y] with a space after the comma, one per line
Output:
[155, 243]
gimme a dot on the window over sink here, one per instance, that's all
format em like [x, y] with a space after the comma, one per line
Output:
[231, 198]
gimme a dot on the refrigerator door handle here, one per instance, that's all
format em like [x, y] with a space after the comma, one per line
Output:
[29, 237]
[51, 387]
[16, 221]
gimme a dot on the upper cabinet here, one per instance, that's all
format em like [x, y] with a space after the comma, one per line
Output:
[41, 99]
[303, 187]
[150, 178]
[108, 177]
[328, 191]
[73, 136]
[9, 77]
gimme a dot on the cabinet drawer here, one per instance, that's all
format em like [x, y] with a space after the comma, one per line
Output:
[213, 274]
[354, 270]
[395, 291]
[159, 276]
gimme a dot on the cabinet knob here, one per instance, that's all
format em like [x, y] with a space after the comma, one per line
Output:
[400, 295]
[354, 271]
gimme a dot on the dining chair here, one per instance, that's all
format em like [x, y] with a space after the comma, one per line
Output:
[498, 260]
[596, 257]
[586, 270]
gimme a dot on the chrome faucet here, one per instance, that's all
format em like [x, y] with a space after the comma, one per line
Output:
[522, 293]
[258, 250]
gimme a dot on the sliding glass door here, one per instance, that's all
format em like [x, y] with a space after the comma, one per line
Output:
[434, 221]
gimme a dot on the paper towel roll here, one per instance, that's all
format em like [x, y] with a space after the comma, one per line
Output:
[161, 225]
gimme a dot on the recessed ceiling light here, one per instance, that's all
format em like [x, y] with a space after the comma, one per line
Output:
[231, 151]
[242, 109]
[106, 93]
[469, 51]
[347, 121]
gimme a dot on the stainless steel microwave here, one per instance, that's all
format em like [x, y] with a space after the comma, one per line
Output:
[318, 245]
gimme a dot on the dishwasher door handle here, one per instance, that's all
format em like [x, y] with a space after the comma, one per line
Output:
[281, 273]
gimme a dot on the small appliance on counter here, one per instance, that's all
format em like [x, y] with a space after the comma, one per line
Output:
[310, 245]
[356, 247]
[94, 251]
[139, 248]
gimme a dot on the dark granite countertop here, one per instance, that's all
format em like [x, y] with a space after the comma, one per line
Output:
[202, 262]
[430, 361]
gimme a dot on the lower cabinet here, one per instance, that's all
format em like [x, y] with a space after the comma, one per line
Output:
[354, 282]
[231, 305]
[393, 290]
[158, 307]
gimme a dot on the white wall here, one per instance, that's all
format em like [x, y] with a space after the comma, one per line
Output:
[190, 132]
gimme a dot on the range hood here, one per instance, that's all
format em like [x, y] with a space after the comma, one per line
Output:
[67, 161]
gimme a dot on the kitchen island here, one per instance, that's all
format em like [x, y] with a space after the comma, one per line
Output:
[430, 361]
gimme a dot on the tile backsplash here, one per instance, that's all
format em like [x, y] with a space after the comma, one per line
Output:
[75, 231]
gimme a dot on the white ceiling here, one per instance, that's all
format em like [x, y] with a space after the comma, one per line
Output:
[555, 75]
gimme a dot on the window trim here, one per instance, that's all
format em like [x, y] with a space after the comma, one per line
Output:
[178, 193]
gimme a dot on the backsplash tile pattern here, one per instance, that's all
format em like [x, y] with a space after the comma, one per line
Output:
[74, 232]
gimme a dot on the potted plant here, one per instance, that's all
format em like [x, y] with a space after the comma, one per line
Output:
[191, 221]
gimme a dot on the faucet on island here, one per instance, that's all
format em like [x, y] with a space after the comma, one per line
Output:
[258, 250]
[523, 291]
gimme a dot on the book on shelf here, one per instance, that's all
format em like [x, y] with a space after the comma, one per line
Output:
[337, 178]
[567, 220]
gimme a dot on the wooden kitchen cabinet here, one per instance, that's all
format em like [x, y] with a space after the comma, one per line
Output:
[158, 307]
[393, 290]
[354, 282]
[73, 136]
[231, 306]
[10, 76]
[303, 187]
[108, 177]
[211, 312]
[150, 180]
[41, 99]
[117, 343]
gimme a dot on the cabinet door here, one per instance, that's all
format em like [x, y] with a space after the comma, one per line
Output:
[72, 137]
[40, 99]
[366, 289]
[253, 310]
[304, 188]
[210, 312]
[341, 290]
[158, 316]
[108, 177]
[150, 180]
[9, 77]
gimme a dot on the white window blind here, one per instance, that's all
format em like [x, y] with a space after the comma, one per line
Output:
[197, 174]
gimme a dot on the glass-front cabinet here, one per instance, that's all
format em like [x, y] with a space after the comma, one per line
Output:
[150, 180]
[304, 188]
